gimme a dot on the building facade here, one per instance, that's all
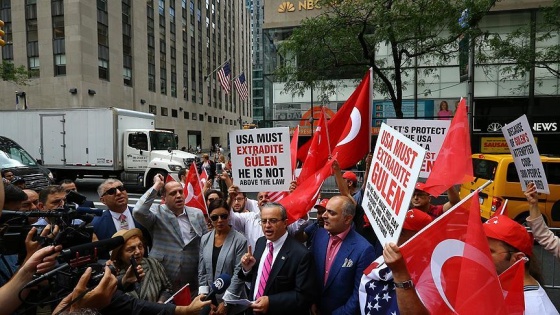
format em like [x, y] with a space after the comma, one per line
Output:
[498, 97]
[150, 56]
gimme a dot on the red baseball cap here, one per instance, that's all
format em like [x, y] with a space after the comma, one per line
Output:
[322, 203]
[350, 176]
[503, 228]
[416, 219]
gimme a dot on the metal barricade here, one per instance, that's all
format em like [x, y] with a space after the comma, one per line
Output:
[550, 265]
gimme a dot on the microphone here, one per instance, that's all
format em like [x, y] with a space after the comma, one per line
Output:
[46, 275]
[219, 286]
[89, 248]
[134, 266]
[86, 210]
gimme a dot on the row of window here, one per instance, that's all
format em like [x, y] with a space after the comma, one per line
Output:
[164, 111]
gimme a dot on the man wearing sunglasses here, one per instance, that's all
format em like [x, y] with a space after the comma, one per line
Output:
[118, 215]
[176, 230]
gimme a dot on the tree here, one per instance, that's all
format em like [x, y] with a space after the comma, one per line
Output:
[386, 35]
[518, 48]
[9, 72]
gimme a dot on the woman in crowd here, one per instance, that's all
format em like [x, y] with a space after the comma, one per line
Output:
[220, 253]
[154, 285]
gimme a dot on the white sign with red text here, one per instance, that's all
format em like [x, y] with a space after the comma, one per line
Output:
[522, 146]
[429, 134]
[394, 169]
[260, 159]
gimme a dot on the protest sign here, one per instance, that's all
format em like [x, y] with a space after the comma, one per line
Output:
[522, 146]
[429, 134]
[260, 159]
[390, 183]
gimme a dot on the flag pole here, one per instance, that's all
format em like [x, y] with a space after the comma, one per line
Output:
[239, 107]
[327, 128]
[218, 68]
[174, 294]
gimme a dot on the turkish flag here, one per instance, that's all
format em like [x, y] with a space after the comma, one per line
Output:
[203, 177]
[450, 263]
[453, 164]
[183, 296]
[512, 286]
[304, 197]
[350, 128]
[193, 190]
[319, 151]
[293, 148]
[276, 196]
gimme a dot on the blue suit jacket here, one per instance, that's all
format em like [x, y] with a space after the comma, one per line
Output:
[104, 228]
[340, 293]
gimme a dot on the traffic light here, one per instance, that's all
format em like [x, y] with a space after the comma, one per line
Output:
[2, 41]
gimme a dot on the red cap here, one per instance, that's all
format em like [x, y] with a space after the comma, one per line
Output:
[505, 229]
[416, 219]
[323, 203]
[350, 176]
[420, 186]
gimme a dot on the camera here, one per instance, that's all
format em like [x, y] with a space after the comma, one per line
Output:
[67, 279]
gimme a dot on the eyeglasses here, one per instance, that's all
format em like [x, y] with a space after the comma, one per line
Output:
[239, 199]
[112, 191]
[271, 221]
[420, 194]
[221, 216]
[212, 199]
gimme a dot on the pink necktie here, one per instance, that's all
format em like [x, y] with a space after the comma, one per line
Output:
[265, 271]
[124, 222]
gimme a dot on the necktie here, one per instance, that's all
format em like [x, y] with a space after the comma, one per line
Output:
[265, 270]
[124, 222]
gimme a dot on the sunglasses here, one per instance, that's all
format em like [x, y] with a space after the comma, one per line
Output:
[220, 216]
[112, 191]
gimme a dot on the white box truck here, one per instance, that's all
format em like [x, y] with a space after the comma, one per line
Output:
[108, 142]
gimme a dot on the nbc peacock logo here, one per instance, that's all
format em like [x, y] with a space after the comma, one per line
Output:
[286, 6]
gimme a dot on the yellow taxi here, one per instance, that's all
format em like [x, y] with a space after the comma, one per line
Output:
[500, 168]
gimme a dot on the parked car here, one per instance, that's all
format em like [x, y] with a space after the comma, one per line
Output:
[14, 158]
[500, 168]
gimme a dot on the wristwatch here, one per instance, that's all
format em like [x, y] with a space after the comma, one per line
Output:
[408, 284]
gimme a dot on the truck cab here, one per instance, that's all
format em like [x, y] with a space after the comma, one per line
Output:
[14, 158]
[151, 152]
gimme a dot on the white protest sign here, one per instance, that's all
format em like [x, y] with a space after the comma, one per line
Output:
[429, 134]
[390, 183]
[522, 146]
[260, 159]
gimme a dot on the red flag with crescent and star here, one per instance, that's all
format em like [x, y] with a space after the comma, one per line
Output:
[453, 164]
[193, 190]
[319, 150]
[303, 198]
[350, 128]
[512, 285]
[450, 264]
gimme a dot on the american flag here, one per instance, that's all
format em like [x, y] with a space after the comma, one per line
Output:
[377, 291]
[241, 86]
[223, 76]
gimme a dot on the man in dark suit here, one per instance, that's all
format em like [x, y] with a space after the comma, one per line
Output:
[118, 215]
[281, 271]
[340, 255]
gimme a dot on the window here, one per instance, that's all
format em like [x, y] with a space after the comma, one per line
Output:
[186, 115]
[138, 141]
[153, 109]
[33, 64]
[58, 27]
[209, 119]
[200, 117]
[174, 113]
[59, 65]
[127, 76]
[164, 111]
[193, 116]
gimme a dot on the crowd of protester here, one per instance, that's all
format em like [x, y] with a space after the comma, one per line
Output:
[305, 267]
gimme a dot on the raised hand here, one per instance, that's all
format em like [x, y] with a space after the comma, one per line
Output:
[248, 260]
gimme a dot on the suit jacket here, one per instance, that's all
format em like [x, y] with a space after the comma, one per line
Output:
[179, 259]
[229, 259]
[340, 294]
[104, 228]
[290, 284]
